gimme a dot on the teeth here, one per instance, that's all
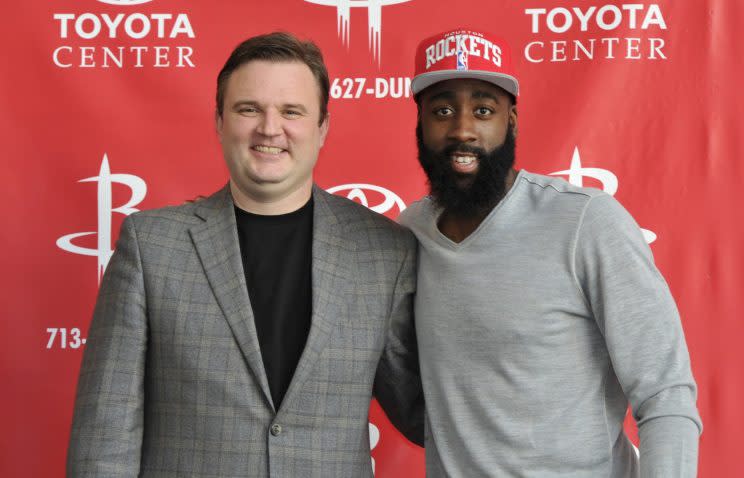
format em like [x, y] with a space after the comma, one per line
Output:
[267, 149]
[463, 159]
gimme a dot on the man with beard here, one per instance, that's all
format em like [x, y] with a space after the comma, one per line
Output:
[540, 315]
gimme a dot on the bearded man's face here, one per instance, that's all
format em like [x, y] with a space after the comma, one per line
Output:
[466, 143]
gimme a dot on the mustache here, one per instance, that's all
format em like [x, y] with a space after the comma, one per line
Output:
[463, 148]
[483, 190]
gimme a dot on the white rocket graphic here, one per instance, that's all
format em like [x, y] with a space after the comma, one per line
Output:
[374, 20]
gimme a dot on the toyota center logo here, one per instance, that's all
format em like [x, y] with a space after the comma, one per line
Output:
[105, 212]
[125, 38]
[567, 34]
[374, 19]
[376, 198]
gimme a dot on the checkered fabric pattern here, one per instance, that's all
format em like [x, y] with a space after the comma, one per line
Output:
[172, 382]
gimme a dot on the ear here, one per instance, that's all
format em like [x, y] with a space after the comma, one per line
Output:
[218, 124]
[324, 128]
[513, 119]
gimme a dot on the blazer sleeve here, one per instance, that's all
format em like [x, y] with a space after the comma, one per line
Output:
[398, 382]
[107, 428]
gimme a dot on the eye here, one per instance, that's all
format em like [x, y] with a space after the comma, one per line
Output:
[444, 111]
[247, 110]
[483, 111]
[292, 113]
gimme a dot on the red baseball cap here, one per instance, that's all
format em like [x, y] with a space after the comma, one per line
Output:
[464, 53]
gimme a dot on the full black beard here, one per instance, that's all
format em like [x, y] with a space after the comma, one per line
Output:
[454, 192]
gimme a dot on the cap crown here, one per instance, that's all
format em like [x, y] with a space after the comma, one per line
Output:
[464, 53]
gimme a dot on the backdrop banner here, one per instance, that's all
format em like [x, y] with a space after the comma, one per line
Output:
[108, 108]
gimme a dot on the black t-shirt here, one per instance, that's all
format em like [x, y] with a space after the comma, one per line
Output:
[277, 258]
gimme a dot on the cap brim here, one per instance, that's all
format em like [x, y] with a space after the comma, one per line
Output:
[425, 80]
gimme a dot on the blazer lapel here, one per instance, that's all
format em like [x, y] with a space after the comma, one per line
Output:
[332, 283]
[216, 242]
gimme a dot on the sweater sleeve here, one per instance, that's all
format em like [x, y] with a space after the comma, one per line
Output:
[637, 316]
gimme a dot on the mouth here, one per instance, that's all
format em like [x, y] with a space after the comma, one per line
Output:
[464, 162]
[267, 150]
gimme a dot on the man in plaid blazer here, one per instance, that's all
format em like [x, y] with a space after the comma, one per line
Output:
[174, 378]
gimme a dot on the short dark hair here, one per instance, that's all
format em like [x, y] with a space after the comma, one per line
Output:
[276, 47]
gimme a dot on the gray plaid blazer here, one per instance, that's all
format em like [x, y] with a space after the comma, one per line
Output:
[172, 381]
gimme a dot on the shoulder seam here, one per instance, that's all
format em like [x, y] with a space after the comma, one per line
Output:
[573, 254]
[545, 186]
[131, 222]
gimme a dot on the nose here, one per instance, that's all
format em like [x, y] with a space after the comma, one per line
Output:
[270, 124]
[462, 127]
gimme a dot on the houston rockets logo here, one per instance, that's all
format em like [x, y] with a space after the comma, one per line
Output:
[576, 173]
[359, 192]
[105, 211]
[374, 19]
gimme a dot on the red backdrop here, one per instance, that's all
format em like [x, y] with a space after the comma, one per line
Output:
[638, 99]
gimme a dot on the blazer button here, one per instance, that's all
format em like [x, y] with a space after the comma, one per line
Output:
[276, 429]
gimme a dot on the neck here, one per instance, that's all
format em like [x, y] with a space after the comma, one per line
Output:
[457, 227]
[269, 204]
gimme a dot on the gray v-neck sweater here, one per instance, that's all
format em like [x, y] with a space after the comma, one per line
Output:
[535, 333]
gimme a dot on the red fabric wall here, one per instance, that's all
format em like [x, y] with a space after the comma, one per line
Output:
[642, 100]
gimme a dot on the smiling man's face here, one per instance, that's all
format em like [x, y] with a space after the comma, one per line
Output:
[270, 129]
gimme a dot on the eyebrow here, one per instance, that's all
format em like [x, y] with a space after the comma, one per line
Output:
[442, 95]
[477, 94]
[297, 106]
[244, 102]
[481, 94]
